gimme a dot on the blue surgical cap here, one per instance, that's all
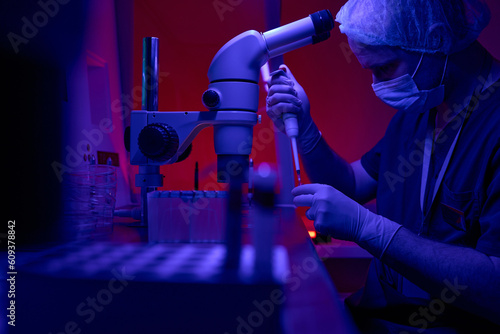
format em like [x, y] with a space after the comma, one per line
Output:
[445, 26]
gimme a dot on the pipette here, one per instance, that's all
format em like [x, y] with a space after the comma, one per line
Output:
[291, 129]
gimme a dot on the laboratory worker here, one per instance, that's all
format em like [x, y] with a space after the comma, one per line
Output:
[435, 174]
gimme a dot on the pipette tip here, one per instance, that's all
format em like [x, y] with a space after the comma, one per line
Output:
[298, 177]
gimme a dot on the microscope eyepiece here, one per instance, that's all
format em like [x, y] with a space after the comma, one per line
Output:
[320, 38]
[323, 21]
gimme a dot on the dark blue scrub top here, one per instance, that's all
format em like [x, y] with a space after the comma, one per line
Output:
[465, 211]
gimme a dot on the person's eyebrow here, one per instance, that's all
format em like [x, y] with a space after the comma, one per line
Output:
[381, 64]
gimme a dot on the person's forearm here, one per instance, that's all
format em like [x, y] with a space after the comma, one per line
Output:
[461, 276]
[324, 166]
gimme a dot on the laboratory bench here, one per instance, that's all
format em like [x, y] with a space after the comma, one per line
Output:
[127, 285]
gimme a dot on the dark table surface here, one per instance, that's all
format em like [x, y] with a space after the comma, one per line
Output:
[312, 302]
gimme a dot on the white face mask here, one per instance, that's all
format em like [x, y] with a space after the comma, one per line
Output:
[402, 93]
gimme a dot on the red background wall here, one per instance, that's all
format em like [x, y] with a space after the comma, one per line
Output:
[343, 105]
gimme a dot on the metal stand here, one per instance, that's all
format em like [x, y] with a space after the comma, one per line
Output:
[149, 177]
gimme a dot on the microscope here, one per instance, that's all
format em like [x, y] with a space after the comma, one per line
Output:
[159, 138]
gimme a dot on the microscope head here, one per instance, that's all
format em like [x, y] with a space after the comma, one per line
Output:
[234, 76]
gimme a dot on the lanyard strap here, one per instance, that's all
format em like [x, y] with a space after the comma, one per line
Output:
[426, 162]
[429, 141]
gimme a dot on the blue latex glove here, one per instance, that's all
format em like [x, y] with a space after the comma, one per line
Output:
[286, 95]
[339, 216]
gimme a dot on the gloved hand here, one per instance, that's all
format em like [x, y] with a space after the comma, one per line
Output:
[339, 216]
[286, 95]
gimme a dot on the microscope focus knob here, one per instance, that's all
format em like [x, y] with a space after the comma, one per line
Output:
[158, 142]
[210, 98]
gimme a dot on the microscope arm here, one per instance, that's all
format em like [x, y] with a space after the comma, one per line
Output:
[187, 125]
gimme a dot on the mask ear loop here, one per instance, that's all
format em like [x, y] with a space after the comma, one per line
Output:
[418, 66]
[445, 67]
[444, 70]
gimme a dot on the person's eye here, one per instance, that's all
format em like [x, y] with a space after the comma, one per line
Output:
[386, 69]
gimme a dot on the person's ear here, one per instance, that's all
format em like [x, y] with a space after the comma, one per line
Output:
[439, 38]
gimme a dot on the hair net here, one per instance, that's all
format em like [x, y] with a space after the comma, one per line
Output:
[445, 26]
